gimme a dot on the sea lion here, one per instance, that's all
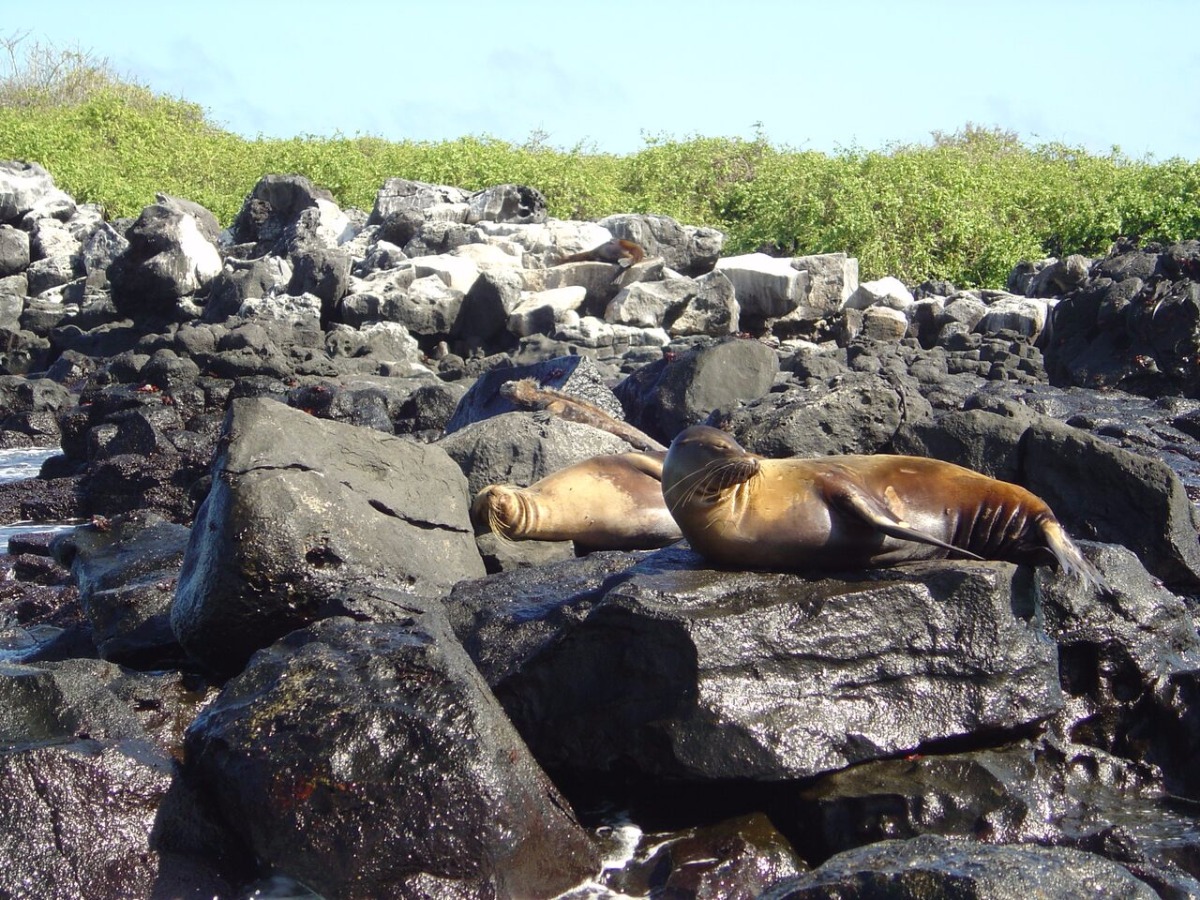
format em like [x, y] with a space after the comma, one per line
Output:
[620, 251]
[739, 509]
[610, 502]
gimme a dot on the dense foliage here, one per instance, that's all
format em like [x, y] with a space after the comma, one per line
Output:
[964, 208]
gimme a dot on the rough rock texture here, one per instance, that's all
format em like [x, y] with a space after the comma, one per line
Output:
[695, 673]
[504, 620]
[941, 867]
[1028, 792]
[852, 413]
[1132, 323]
[575, 375]
[667, 396]
[126, 575]
[168, 258]
[76, 818]
[300, 505]
[370, 760]
[521, 448]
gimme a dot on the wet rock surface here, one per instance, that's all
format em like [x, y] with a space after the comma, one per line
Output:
[371, 761]
[273, 434]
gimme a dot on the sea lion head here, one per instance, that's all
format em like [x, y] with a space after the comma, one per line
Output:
[702, 464]
[502, 510]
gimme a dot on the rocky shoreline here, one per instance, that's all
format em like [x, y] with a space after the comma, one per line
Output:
[279, 648]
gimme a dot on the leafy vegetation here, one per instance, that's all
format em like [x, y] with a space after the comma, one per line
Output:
[964, 208]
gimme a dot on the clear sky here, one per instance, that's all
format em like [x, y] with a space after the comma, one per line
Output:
[813, 75]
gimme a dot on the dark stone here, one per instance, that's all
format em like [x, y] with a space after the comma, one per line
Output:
[521, 448]
[505, 620]
[126, 574]
[158, 267]
[366, 407]
[930, 866]
[427, 410]
[682, 389]
[858, 414]
[694, 673]
[324, 273]
[368, 760]
[575, 375]
[271, 208]
[76, 820]
[298, 507]
[732, 860]
[242, 280]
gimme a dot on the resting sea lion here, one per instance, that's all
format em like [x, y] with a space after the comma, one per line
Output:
[612, 502]
[620, 251]
[740, 509]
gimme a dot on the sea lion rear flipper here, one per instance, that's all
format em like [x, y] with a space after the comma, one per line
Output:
[852, 500]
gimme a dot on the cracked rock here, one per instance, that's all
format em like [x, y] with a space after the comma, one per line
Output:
[301, 506]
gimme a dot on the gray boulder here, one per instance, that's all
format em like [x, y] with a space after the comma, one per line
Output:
[240, 280]
[23, 185]
[283, 213]
[516, 203]
[667, 396]
[688, 249]
[168, 258]
[852, 413]
[14, 251]
[433, 202]
[299, 506]
[521, 448]
[712, 310]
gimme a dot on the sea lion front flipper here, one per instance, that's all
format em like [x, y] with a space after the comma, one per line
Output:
[852, 500]
[647, 462]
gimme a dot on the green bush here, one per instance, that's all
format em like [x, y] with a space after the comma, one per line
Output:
[965, 208]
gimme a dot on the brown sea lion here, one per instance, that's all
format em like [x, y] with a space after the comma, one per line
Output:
[611, 502]
[739, 509]
[620, 251]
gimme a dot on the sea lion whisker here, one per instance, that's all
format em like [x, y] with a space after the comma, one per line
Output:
[496, 525]
[701, 481]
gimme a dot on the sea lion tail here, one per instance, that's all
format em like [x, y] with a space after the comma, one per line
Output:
[1070, 559]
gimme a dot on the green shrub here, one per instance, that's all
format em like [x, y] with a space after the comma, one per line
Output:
[964, 208]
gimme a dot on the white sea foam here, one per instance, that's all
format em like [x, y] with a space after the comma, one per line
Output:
[24, 462]
[18, 464]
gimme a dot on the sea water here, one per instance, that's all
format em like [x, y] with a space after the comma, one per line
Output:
[16, 465]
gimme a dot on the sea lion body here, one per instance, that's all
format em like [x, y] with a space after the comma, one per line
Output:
[739, 509]
[610, 502]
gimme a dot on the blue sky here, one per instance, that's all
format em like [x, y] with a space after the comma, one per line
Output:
[813, 75]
